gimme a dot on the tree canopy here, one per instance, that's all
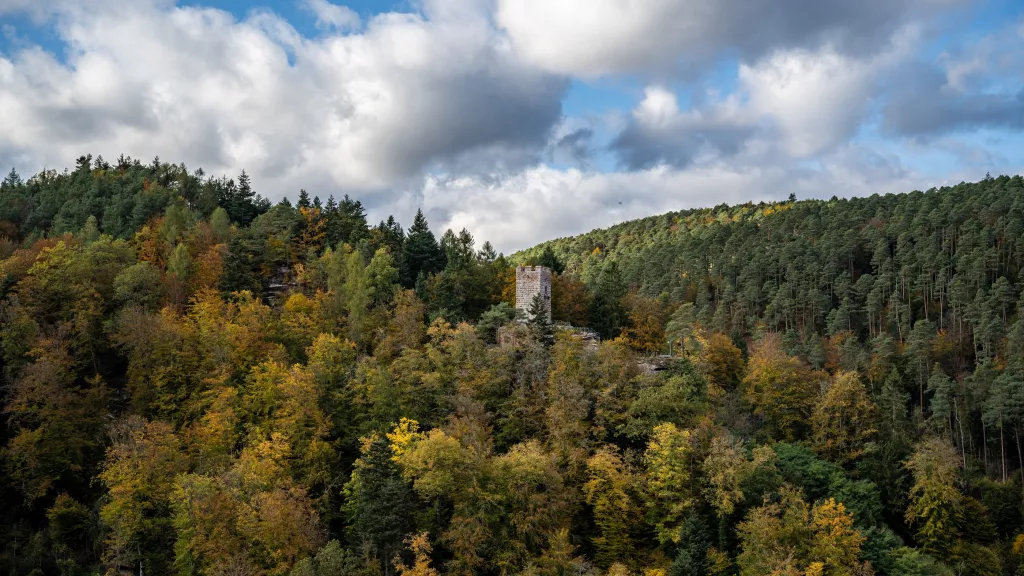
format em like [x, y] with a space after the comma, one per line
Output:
[198, 382]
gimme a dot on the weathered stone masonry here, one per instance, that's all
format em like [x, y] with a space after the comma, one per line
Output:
[530, 281]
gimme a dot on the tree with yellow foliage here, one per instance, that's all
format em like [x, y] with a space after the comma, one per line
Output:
[844, 420]
[722, 362]
[609, 491]
[139, 473]
[836, 543]
[668, 461]
[781, 388]
[791, 537]
[727, 466]
[419, 546]
[935, 499]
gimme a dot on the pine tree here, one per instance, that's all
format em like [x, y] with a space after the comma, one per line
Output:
[607, 313]
[13, 180]
[487, 253]
[540, 324]
[241, 202]
[331, 208]
[346, 222]
[421, 253]
[549, 260]
[692, 556]
[378, 502]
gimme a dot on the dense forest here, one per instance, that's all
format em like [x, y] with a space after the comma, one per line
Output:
[198, 381]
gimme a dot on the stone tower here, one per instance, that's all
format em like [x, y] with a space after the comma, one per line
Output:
[530, 281]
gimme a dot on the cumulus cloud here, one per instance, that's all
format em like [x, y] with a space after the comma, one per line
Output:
[332, 16]
[931, 107]
[365, 112]
[573, 147]
[798, 103]
[660, 133]
[816, 99]
[543, 202]
[599, 37]
[975, 87]
[457, 106]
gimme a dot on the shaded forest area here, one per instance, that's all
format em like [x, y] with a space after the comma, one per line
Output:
[199, 382]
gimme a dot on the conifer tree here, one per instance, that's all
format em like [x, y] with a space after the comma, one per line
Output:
[549, 260]
[378, 501]
[540, 324]
[607, 314]
[692, 555]
[421, 252]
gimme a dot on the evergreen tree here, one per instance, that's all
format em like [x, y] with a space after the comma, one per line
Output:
[378, 502]
[692, 554]
[331, 208]
[421, 252]
[540, 324]
[241, 202]
[549, 260]
[607, 314]
[346, 222]
[494, 318]
[487, 253]
[12, 180]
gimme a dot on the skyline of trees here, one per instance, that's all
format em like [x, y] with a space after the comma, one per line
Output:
[197, 382]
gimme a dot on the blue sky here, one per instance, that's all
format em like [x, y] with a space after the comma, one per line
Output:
[524, 119]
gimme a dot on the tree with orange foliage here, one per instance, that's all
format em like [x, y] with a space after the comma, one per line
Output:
[419, 545]
[569, 299]
[507, 281]
[646, 317]
[790, 537]
[723, 361]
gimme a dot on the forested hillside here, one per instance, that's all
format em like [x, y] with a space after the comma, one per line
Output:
[904, 267]
[197, 381]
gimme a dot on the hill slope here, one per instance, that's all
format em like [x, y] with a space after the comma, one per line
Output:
[950, 255]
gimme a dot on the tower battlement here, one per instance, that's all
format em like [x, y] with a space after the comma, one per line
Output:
[530, 281]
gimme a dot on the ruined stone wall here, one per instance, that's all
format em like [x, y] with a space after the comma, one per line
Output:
[530, 281]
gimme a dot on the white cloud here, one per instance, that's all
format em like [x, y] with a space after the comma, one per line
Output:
[815, 99]
[661, 133]
[599, 37]
[443, 109]
[332, 16]
[542, 202]
[792, 104]
[363, 112]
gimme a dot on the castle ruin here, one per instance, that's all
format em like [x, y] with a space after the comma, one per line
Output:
[530, 281]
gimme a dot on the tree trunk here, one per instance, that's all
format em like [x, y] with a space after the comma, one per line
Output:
[960, 426]
[1016, 433]
[984, 448]
[1020, 466]
[920, 387]
[1002, 450]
